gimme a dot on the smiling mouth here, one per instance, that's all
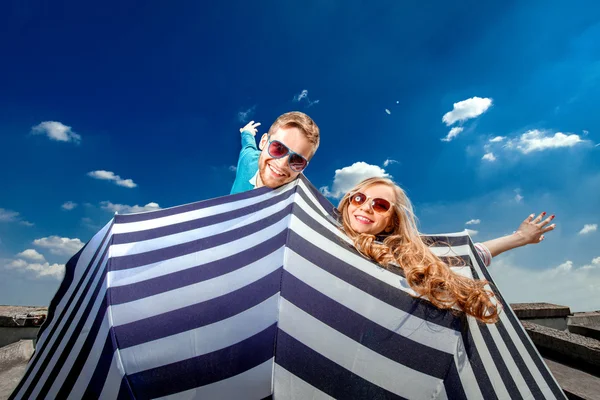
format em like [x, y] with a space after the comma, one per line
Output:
[362, 219]
[275, 171]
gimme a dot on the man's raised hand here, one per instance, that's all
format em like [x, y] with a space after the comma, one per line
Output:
[251, 127]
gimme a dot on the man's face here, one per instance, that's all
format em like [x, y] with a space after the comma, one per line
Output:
[274, 172]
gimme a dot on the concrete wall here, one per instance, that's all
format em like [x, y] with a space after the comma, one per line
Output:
[586, 331]
[554, 323]
[12, 335]
[587, 319]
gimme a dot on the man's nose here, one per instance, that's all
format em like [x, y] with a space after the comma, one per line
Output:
[282, 163]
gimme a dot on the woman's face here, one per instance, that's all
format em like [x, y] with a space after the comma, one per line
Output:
[363, 219]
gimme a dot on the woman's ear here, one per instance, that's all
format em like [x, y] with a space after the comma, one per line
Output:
[263, 141]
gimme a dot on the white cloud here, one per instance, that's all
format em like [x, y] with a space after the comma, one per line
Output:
[40, 270]
[588, 228]
[60, 245]
[388, 111]
[596, 261]
[497, 139]
[585, 132]
[467, 109]
[69, 205]
[56, 131]
[489, 157]
[538, 140]
[452, 134]
[8, 215]
[389, 161]
[125, 209]
[565, 284]
[303, 97]
[32, 255]
[110, 176]
[245, 116]
[347, 177]
[472, 232]
[518, 196]
[12, 216]
[232, 168]
[473, 222]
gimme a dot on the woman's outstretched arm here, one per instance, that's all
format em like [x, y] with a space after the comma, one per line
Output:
[531, 231]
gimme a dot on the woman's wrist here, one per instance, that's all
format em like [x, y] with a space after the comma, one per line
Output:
[519, 239]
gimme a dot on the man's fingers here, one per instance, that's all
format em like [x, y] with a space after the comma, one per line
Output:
[541, 238]
[256, 125]
[528, 219]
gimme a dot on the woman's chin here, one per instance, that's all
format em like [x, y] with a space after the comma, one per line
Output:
[360, 228]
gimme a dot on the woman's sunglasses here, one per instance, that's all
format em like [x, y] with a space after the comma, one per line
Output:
[276, 149]
[379, 205]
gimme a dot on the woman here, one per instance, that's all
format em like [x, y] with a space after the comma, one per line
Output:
[378, 216]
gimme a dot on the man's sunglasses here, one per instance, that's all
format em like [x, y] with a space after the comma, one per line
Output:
[276, 149]
[379, 205]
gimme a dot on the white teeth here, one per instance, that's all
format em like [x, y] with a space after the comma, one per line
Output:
[361, 218]
[274, 170]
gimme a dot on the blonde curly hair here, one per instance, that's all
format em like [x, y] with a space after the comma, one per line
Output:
[426, 273]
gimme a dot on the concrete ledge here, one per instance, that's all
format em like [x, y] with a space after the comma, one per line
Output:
[590, 319]
[574, 350]
[586, 331]
[540, 310]
[576, 384]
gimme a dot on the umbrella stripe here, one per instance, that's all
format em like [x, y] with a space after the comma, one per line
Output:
[288, 385]
[162, 303]
[69, 321]
[386, 342]
[86, 360]
[526, 350]
[250, 384]
[60, 307]
[199, 273]
[202, 340]
[182, 249]
[324, 374]
[208, 368]
[201, 222]
[201, 314]
[167, 212]
[315, 253]
[346, 352]
[453, 384]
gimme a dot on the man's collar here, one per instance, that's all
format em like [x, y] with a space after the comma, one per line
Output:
[253, 179]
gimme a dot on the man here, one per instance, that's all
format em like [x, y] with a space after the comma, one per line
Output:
[284, 152]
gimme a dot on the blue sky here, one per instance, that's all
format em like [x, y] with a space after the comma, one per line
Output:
[107, 107]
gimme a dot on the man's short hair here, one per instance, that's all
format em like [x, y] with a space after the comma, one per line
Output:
[301, 121]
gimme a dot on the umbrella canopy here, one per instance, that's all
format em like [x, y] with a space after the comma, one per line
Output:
[259, 295]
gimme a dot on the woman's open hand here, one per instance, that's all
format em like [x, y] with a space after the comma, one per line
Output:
[532, 230]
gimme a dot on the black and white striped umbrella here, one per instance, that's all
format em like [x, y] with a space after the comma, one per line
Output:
[259, 295]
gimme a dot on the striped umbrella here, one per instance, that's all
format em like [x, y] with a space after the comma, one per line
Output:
[258, 295]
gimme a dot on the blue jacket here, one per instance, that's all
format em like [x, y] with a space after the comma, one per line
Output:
[247, 165]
